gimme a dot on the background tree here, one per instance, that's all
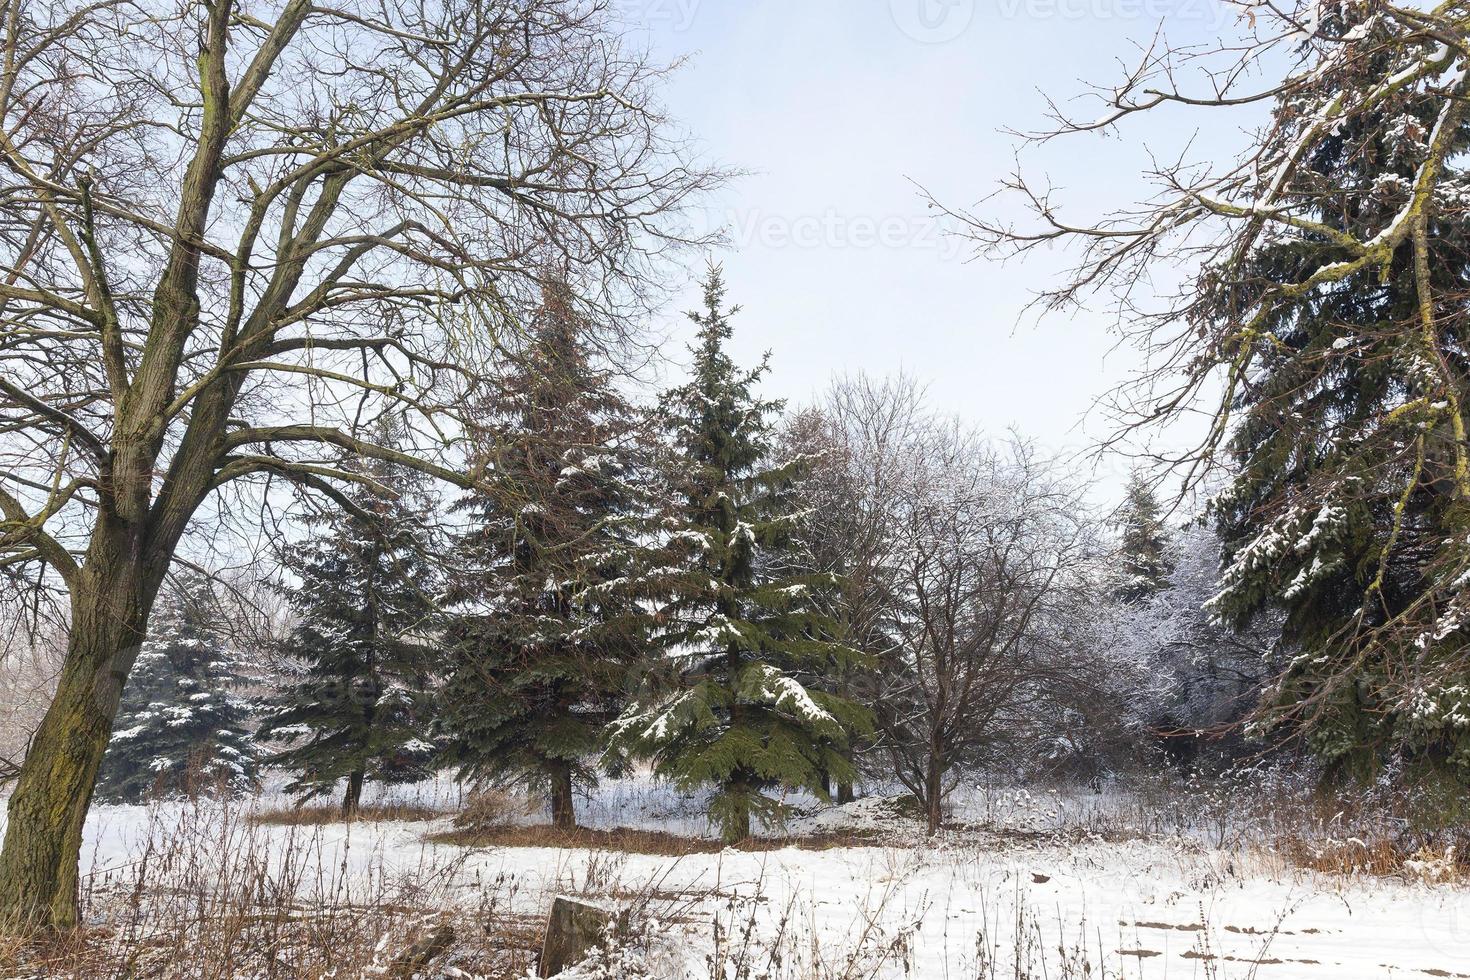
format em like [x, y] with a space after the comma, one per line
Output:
[358, 703]
[825, 549]
[1143, 545]
[991, 547]
[28, 668]
[738, 633]
[183, 726]
[1323, 319]
[231, 243]
[551, 589]
[856, 442]
[1204, 676]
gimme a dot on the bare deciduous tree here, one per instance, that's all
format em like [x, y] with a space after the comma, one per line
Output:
[29, 664]
[236, 233]
[992, 549]
[857, 440]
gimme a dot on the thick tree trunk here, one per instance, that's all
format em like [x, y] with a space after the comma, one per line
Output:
[563, 809]
[352, 799]
[845, 793]
[43, 834]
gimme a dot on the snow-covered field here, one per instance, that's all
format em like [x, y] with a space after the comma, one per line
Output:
[1031, 889]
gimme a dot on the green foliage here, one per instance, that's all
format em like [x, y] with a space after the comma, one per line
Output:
[360, 706]
[551, 610]
[181, 726]
[739, 629]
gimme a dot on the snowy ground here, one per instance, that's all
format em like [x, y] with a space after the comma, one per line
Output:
[1030, 890]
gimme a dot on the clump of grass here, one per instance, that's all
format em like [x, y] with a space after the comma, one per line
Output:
[624, 839]
[489, 808]
[1379, 856]
[318, 816]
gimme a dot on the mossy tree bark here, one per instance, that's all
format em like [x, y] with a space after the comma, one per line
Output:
[39, 862]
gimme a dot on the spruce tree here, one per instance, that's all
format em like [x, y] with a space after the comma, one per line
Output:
[1347, 510]
[549, 617]
[182, 726]
[737, 630]
[1143, 547]
[363, 586]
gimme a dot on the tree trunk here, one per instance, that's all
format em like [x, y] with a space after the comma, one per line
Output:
[353, 798]
[43, 836]
[563, 811]
[934, 796]
[737, 829]
[572, 929]
[845, 793]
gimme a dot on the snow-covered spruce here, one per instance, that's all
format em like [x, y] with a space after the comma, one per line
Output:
[548, 602]
[359, 707]
[730, 709]
[1348, 508]
[182, 726]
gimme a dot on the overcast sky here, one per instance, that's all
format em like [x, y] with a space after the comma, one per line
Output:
[837, 108]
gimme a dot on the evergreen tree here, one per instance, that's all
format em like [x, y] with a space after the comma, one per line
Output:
[1143, 547]
[550, 618]
[1348, 510]
[360, 707]
[738, 631]
[181, 725]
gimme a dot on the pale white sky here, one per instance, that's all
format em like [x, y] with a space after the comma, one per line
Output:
[836, 108]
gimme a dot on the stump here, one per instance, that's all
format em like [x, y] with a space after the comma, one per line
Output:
[572, 929]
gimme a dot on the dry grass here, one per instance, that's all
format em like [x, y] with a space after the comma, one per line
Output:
[318, 816]
[1381, 857]
[489, 807]
[633, 841]
[208, 894]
